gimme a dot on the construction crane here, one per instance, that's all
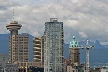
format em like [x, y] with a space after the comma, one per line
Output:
[87, 47]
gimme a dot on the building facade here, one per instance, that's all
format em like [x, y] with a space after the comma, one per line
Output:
[74, 55]
[3, 61]
[38, 49]
[53, 46]
[66, 63]
[18, 43]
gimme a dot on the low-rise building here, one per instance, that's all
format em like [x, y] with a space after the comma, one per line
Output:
[99, 69]
[26, 66]
[11, 68]
[30, 64]
[66, 62]
[33, 69]
[71, 68]
[104, 69]
[3, 60]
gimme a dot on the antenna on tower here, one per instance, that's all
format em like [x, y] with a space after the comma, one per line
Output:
[13, 14]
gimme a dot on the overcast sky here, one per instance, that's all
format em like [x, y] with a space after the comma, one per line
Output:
[85, 19]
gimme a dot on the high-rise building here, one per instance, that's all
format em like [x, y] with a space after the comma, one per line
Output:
[53, 46]
[74, 54]
[18, 43]
[38, 49]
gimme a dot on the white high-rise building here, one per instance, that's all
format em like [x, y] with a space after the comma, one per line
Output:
[53, 46]
[38, 49]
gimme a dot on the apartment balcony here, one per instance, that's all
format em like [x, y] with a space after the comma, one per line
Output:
[36, 57]
[37, 53]
[37, 45]
[37, 48]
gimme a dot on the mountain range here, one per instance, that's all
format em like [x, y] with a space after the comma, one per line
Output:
[98, 55]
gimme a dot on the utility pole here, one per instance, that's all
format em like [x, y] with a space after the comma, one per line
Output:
[87, 47]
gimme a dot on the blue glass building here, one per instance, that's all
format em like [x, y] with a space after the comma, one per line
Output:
[53, 46]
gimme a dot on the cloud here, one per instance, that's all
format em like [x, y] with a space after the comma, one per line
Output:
[82, 35]
[3, 3]
[82, 18]
[32, 2]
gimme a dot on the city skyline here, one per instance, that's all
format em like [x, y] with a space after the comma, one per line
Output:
[82, 18]
[53, 42]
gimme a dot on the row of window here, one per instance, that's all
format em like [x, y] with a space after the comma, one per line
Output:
[20, 37]
[19, 42]
[20, 53]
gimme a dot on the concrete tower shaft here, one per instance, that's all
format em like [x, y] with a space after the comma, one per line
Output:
[13, 27]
